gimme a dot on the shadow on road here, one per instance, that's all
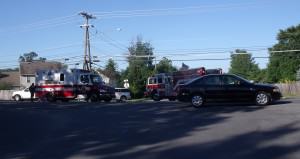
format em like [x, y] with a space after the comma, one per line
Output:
[147, 130]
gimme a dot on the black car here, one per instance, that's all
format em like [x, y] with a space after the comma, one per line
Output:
[226, 87]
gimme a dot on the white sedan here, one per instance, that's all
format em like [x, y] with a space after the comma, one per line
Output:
[21, 95]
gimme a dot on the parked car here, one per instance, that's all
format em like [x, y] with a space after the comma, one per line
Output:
[226, 87]
[21, 95]
[122, 94]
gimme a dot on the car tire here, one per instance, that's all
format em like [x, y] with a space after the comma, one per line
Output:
[262, 98]
[123, 99]
[197, 100]
[17, 98]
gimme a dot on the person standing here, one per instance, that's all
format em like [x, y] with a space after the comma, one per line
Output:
[32, 90]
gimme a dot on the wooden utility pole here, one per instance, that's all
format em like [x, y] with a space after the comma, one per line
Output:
[87, 63]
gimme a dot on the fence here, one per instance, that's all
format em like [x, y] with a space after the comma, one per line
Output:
[289, 89]
[6, 94]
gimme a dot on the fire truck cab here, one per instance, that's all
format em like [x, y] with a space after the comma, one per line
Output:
[160, 86]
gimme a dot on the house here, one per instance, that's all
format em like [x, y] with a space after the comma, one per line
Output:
[10, 79]
[28, 70]
[107, 80]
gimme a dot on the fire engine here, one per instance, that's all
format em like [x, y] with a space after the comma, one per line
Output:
[70, 84]
[163, 85]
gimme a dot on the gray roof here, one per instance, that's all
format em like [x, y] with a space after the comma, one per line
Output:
[30, 68]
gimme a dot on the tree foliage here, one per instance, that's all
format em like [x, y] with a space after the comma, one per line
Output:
[284, 65]
[140, 66]
[243, 64]
[110, 69]
[29, 57]
[165, 66]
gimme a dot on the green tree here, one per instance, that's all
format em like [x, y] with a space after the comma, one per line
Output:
[29, 57]
[284, 65]
[110, 69]
[243, 64]
[165, 66]
[140, 66]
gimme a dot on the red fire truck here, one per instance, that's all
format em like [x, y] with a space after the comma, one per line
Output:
[163, 85]
[70, 84]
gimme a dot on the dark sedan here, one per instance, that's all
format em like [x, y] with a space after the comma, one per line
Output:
[226, 87]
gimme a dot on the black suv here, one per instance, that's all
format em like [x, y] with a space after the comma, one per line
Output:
[226, 87]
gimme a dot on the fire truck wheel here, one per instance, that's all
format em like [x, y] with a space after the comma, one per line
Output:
[94, 98]
[65, 100]
[107, 100]
[155, 97]
[172, 99]
[50, 97]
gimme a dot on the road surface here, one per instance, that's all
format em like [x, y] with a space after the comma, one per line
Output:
[149, 130]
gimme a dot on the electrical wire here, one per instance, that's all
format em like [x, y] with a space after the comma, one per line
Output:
[169, 11]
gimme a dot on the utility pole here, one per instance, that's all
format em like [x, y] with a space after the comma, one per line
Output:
[87, 63]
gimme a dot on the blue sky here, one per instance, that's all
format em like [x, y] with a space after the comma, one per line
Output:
[179, 30]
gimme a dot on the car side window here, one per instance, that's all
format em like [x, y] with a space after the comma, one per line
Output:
[212, 80]
[229, 80]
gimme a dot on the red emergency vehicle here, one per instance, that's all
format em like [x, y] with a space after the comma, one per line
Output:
[163, 85]
[70, 84]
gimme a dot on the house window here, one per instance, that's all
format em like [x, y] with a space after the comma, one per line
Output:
[62, 77]
[28, 79]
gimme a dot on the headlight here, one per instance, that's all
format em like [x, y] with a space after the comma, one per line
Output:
[276, 90]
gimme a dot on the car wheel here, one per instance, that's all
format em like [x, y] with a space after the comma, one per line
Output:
[17, 97]
[262, 98]
[123, 99]
[197, 101]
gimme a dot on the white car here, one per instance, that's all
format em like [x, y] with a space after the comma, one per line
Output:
[122, 94]
[21, 95]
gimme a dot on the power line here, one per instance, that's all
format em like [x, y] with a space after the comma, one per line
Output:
[168, 11]
[146, 56]
[41, 24]
[281, 51]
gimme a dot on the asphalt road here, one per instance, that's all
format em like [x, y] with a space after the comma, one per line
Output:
[149, 130]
